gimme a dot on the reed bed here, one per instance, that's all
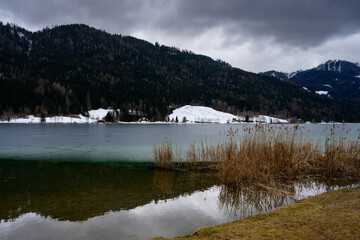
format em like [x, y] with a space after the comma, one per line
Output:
[266, 154]
[195, 157]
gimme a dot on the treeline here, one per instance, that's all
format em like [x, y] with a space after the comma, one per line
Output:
[75, 68]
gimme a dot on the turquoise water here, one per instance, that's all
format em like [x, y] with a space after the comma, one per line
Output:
[118, 142]
[99, 182]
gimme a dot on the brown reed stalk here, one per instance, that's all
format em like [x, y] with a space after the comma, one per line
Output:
[265, 154]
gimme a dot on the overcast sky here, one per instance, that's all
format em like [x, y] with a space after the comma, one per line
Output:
[254, 35]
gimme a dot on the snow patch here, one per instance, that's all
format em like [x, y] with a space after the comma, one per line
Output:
[322, 92]
[331, 65]
[95, 115]
[200, 114]
[290, 75]
[21, 35]
[327, 85]
[357, 76]
[98, 114]
[267, 119]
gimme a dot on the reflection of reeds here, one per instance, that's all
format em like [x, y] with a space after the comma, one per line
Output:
[242, 202]
[265, 154]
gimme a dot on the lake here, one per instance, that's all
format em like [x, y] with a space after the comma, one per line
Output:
[94, 181]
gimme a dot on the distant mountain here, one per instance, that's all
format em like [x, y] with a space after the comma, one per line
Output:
[280, 75]
[75, 68]
[336, 78]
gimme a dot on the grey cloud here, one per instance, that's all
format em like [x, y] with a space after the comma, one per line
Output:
[111, 15]
[300, 23]
[288, 24]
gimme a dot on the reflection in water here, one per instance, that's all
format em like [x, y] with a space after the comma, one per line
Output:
[123, 201]
[78, 191]
[240, 203]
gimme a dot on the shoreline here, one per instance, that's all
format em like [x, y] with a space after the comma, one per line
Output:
[172, 123]
[310, 218]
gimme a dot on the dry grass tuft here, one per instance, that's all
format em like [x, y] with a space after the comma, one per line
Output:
[164, 155]
[265, 154]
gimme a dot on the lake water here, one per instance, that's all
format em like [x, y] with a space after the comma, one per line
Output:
[99, 182]
[118, 142]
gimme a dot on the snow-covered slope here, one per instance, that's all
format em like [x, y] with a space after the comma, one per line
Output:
[199, 114]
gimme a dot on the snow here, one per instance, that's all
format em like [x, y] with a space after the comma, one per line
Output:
[305, 89]
[99, 113]
[200, 114]
[55, 119]
[357, 76]
[267, 119]
[330, 66]
[322, 92]
[327, 85]
[290, 75]
[193, 114]
[21, 35]
[95, 115]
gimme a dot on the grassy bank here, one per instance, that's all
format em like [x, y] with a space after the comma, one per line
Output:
[267, 154]
[331, 215]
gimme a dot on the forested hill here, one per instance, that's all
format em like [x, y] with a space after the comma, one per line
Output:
[75, 68]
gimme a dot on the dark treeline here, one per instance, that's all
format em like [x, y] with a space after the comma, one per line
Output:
[75, 68]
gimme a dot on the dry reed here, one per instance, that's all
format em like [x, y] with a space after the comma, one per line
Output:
[265, 154]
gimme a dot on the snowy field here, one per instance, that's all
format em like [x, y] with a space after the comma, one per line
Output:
[192, 114]
[95, 115]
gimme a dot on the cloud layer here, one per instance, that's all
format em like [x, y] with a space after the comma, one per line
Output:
[255, 35]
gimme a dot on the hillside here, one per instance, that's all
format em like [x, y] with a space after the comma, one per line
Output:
[336, 78]
[75, 68]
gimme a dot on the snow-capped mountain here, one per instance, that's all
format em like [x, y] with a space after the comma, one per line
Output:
[334, 78]
[340, 66]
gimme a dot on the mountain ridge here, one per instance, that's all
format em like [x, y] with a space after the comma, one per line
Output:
[339, 78]
[75, 68]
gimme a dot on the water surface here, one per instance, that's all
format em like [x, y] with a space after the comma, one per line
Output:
[120, 142]
[99, 182]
